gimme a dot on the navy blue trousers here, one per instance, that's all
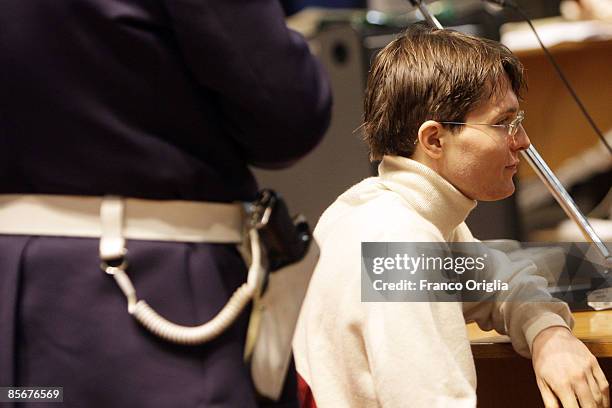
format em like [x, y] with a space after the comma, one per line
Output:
[64, 322]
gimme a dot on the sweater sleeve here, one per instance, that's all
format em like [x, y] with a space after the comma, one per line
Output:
[522, 311]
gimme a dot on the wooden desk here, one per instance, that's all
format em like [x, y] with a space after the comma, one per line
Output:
[505, 379]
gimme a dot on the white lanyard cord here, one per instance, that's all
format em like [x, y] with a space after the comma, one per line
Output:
[153, 321]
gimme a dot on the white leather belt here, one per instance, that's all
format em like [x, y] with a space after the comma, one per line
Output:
[113, 219]
[154, 220]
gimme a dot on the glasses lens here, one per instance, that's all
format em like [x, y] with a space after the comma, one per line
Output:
[512, 130]
[516, 124]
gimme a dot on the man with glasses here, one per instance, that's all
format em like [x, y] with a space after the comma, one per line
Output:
[442, 115]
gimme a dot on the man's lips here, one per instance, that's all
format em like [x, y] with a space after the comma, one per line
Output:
[513, 165]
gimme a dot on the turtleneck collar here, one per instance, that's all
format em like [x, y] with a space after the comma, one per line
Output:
[427, 192]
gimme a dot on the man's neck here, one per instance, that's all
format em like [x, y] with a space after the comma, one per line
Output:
[435, 165]
[424, 159]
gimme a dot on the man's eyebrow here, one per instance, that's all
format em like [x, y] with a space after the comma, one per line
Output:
[513, 109]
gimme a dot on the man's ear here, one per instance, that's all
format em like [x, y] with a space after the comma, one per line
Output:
[430, 138]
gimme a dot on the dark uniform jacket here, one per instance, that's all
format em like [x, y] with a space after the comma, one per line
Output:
[162, 99]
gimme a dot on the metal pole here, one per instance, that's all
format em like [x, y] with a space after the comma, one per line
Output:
[564, 199]
[430, 18]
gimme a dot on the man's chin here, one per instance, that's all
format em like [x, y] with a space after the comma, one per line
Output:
[498, 195]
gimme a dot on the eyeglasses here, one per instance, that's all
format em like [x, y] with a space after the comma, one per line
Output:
[512, 127]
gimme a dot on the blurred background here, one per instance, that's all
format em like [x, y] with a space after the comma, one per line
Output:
[346, 35]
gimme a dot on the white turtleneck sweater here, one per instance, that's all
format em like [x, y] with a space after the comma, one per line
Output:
[390, 354]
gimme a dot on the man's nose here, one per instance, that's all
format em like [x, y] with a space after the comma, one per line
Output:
[520, 141]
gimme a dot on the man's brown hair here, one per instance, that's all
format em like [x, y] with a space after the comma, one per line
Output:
[431, 74]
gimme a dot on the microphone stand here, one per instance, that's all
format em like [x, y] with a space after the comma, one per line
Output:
[544, 172]
[430, 18]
